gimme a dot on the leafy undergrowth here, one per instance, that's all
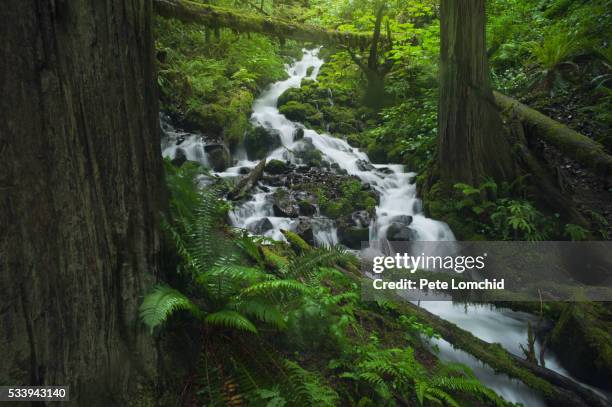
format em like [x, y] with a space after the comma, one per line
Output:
[208, 79]
[503, 212]
[283, 324]
[555, 56]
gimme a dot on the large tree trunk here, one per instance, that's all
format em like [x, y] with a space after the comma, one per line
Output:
[80, 193]
[471, 140]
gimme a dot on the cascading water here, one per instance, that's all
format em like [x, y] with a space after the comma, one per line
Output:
[397, 199]
[397, 193]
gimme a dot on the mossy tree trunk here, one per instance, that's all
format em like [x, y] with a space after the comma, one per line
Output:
[471, 142]
[80, 192]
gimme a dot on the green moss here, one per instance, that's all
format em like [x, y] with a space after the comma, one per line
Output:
[277, 167]
[258, 141]
[352, 198]
[301, 112]
[582, 338]
[298, 244]
[273, 260]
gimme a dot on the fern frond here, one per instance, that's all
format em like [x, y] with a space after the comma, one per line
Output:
[230, 319]
[262, 311]
[309, 387]
[161, 303]
[275, 288]
[308, 263]
[434, 394]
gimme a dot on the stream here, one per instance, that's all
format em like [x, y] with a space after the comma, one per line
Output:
[398, 198]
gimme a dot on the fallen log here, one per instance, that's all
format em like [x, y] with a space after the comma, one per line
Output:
[584, 150]
[556, 389]
[240, 21]
[247, 182]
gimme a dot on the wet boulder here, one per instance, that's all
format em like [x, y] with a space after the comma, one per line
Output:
[361, 218]
[261, 226]
[398, 232]
[354, 229]
[179, 157]
[306, 208]
[284, 204]
[218, 156]
[363, 165]
[308, 153]
[259, 141]
[277, 167]
[405, 220]
[298, 134]
[304, 230]
[352, 236]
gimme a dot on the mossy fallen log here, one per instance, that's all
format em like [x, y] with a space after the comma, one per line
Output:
[217, 17]
[556, 389]
[584, 150]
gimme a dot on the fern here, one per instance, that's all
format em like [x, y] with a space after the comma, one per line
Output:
[309, 388]
[161, 303]
[230, 319]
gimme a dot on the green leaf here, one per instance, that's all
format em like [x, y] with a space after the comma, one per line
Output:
[230, 319]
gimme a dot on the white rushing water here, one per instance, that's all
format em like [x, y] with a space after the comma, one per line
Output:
[397, 198]
[397, 192]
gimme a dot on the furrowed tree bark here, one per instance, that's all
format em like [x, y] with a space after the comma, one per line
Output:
[471, 141]
[80, 192]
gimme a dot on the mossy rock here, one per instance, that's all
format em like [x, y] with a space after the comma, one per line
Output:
[273, 260]
[309, 155]
[298, 244]
[300, 112]
[259, 141]
[352, 237]
[377, 153]
[583, 340]
[277, 167]
[291, 94]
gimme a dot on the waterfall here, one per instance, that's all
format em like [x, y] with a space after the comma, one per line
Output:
[397, 199]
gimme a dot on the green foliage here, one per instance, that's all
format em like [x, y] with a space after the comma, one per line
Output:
[309, 389]
[576, 232]
[396, 374]
[497, 212]
[161, 303]
[408, 132]
[210, 83]
[227, 293]
[555, 48]
[352, 198]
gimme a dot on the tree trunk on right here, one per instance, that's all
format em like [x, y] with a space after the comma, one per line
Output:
[471, 140]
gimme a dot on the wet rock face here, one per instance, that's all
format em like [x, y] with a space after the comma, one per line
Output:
[309, 155]
[261, 226]
[363, 165]
[354, 229]
[304, 230]
[218, 156]
[276, 167]
[284, 204]
[306, 208]
[259, 141]
[179, 157]
[398, 232]
[299, 134]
